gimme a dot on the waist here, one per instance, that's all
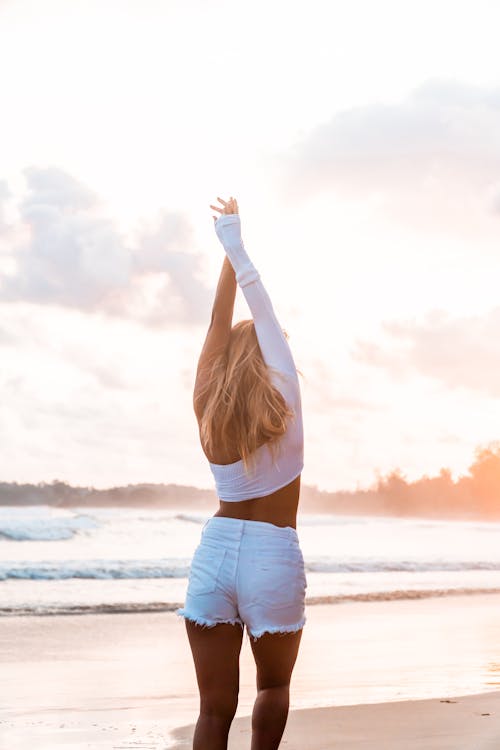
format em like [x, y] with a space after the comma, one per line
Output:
[272, 516]
[232, 530]
[279, 508]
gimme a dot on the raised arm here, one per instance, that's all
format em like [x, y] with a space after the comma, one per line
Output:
[218, 331]
[273, 344]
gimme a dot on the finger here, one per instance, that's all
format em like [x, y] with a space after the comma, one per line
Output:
[216, 208]
[220, 199]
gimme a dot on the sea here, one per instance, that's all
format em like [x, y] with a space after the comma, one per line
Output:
[57, 560]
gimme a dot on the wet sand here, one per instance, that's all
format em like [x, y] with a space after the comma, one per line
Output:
[369, 674]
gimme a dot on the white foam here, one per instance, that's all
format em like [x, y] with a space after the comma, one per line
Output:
[43, 523]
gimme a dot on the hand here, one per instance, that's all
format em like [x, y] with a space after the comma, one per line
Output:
[229, 233]
[229, 207]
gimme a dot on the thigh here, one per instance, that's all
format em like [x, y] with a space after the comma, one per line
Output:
[275, 655]
[216, 654]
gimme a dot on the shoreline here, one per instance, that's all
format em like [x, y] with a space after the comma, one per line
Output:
[311, 601]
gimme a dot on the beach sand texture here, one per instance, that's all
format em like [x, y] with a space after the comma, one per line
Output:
[467, 723]
[127, 680]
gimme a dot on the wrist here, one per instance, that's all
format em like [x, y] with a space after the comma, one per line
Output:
[228, 230]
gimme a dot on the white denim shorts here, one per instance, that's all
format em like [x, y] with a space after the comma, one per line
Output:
[248, 573]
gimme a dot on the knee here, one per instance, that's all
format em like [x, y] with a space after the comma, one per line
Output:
[220, 706]
[274, 696]
[273, 686]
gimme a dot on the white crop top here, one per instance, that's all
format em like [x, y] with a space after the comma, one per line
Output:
[232, 482]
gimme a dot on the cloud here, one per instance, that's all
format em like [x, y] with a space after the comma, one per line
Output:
[6, 338]
[161, 250]
[433, 156]
[4, 196]
[458, 352]
[101, 365]
[76, 257]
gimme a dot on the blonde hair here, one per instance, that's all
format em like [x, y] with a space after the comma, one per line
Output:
[242, 408]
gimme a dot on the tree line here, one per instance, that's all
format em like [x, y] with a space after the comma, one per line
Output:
[474, 495]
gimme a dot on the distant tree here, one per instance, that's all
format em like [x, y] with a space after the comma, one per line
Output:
[485, 478]
[395, 491]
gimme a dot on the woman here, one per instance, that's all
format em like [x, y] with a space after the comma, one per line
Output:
[248, 568]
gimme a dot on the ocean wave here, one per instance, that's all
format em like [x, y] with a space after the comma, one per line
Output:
[45, 527]
[130, 607]
[190, 518]
[179, 568]
[96, 569]
[397, 566]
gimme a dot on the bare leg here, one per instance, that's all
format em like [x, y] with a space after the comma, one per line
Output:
[216, 653]
[275, 655]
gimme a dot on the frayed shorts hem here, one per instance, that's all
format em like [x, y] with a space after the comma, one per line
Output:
[255, 635]
[205, 621]
[281, 629]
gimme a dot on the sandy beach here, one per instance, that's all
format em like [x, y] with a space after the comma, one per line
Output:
[397, 674]
[466, 723]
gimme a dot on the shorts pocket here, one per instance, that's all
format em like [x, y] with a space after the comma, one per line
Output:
[278, 582]
[205, 570]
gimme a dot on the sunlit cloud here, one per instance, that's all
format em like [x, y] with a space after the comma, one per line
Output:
[457, 351]
[431, 160]
[75, 256]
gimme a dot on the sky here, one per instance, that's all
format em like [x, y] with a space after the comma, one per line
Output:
[362, 142]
